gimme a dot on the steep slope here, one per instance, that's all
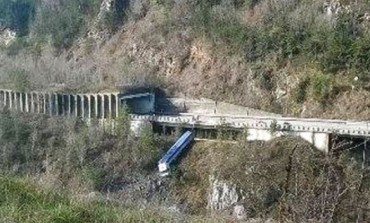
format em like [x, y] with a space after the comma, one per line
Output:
[292, 57]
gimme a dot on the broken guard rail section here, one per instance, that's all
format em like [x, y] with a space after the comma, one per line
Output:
[174, 152]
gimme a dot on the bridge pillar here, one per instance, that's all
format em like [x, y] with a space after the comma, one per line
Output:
[16, 104]
[3, 95]
[76, 105]
[14, 101]
[45, 103]
[18, 101]
[113, 100]
[7, 99]
[32, 103]
[63, 105]
[110, 106]
[26, 102]
[67, 106]
[96, 106]
[89, 104]
[2, 101]
[20, 94]
[56, 104]
[21, 101]
[117, 104]
[82, 106]
[102, 106]
[71, 105]
[51, 107]
[320, 140]
[39, 103]
[11, 99]
[36, 104]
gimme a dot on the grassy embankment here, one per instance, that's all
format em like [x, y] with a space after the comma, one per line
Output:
[22, 201]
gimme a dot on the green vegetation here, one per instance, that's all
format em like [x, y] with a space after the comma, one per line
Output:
[337, 47]
[71, 150]
[64, 23]
[20, 80]
[300, 93]
[114, 18]
[17, 15]
[22, 201]
[322, 87]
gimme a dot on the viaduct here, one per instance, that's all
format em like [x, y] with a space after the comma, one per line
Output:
[107, 105]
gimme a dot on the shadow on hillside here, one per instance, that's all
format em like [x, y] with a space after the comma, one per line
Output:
[164, 106]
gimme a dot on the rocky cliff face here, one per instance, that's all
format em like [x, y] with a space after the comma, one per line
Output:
[222, 195]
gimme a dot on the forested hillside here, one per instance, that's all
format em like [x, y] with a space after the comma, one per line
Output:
[297, 57]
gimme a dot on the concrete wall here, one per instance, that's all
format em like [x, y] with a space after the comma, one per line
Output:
[320, 140]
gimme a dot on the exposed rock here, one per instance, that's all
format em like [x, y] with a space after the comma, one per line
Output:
[7, 36]
[280, 93]
[95, 32]
[239, 212]
[334, 7]
[222, 195]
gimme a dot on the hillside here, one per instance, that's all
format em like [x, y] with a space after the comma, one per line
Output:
[59, 170]
[305, 58]
[302, 58]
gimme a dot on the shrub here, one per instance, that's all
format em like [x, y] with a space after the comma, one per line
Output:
[15, 139]
[94, 176]
[338, 53]
[300, 92]
[122, 129]
[20, 80]
[322, 86]
[63, 23]
[115, 16]
[148, 150]
[16, 46]
[361, 55]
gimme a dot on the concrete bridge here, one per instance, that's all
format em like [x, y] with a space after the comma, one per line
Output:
[107, 106]
[316, 131]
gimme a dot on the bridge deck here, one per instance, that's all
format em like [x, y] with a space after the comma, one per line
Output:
[341, 127]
